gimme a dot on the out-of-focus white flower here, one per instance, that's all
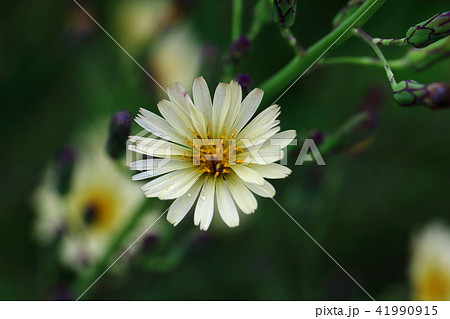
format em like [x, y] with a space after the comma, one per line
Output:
[100, 202]
[430, 264]
[210, 151]
[176, 57]
[139, 20]
[50, 210]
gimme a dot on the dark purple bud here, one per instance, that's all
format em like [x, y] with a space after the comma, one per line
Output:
[119, 130]
[65, 160]
[239, 49]
[371, 121]
[61, 293]
[316, 136]
[245, 81]
[374, 99]
[149, 242]
[434, 96]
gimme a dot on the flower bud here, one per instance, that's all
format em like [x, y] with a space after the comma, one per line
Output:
[429, 31]
[239, 49]
[420, 60]
[244, 80]
[119, 130]
[347, 11]
[434, 95]
[284, 12]
[64, 168]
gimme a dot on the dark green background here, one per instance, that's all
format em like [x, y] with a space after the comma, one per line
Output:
[53, 85]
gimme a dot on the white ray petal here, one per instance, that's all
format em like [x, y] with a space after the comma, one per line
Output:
[205, 204]
[183, 204]
[227, 208]
[166, 168]
[242, 196]
[157, 148]
[248, 108]
[158, 126]
[221, 105]
[157, 185]
[248, 175]
[179, 187]
[266, 190]
[272, 170]
[202, 98]
[176, 117]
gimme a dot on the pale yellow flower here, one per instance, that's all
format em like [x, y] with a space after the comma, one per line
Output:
[430, 264]
[206, 152]
[176, 57]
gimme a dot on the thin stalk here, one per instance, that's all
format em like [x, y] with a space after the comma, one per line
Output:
[299, 65]
[290, 38]
[368, 39]
[236, 27]
[363, 61]
[387, 42]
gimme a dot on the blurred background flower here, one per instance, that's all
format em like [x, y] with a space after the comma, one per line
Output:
[430, 263]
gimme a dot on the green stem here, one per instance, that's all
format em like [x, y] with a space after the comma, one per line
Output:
[333, 141]
[299, 65]
[368, 39]
[103, 263]
[364, 61]
[236, 28]
[290, 38]
[387, 42]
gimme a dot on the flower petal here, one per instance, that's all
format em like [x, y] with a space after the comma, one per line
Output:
[205, 204]
[157, 185]
[272, 170]
[248, 108]
[158, 126]
[176, 116]
[242, 196]
[227, 208]
[221, 105]
[180, 187]
[183, 204]
[248, 175]
[155, 171]
[266, 190]
[202, 98]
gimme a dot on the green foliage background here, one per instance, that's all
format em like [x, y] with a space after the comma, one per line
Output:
[363, 208]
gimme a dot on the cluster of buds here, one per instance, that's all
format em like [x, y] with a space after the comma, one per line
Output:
[284, 12]
[347, 11]
[425, 33]
[422, 59]
[433, 96]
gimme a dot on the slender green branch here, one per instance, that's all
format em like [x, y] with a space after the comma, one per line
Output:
[99, 267]
[290, 38]
[364, 61]
[387, 42]
[368, 39]
[299, 65]
[236, 28]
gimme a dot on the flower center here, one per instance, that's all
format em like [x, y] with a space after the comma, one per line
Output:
[99, 210]
[214, 156]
